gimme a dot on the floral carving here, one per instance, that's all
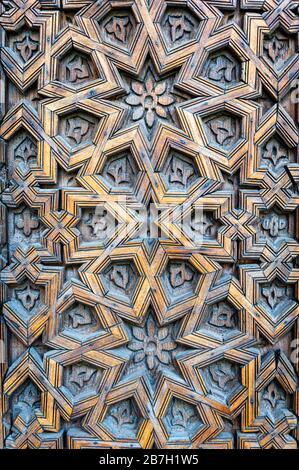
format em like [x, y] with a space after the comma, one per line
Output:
[152, 345]
[26, 152]
[27, 46]
[120, 27]
[222, 68]
[277, 48]
[149, 100]
[274, 294]
[222, 315]
[28, 296]
[274, 154]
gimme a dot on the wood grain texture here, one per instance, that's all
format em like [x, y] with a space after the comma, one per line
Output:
[149, 224]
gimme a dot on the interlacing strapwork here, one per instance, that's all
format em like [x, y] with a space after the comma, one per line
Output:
[149, 224]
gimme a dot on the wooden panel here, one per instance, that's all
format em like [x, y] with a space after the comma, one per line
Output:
[149, 224]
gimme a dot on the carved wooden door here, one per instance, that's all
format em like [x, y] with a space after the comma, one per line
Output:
[149, 224]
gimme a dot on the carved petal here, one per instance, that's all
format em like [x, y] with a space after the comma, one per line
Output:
[137, 88]
[133, 100]
[135, 346]
[139, 356]
[138, 113]
[149, 85]
[138, 333]
[160, 88]
[161, 112]
[150, 117]
[162, 333]
[165, 100]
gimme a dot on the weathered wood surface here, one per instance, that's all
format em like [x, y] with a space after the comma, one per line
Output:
[117, 112]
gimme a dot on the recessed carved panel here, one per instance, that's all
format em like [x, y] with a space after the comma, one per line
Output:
[274, 155]
[22, 151]
[223, 130]
[179, 172]
[222, 68]
[276, 297]
[182, 420]
[120, 280]
[123, 419]
[96, 225]
[77, 129]
[81, 379]
[275, 226]
[278, 48]
[180, 279]
[121, 172]
[273, 401]
[179, 26]
[76, 68]
[79, 321]
[118, 27]
[222, 379]
[201, 225]
[24, 43]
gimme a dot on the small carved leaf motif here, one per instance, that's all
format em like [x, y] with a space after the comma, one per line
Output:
[78, 129]
[27, 402]
[180, 26]
[179, 274]
[222, 315]
[273, 395]
[79, 316]
[182, 414]
[77, 70]
[82, 376]
[222, 374]
[26, 152]
[276, 47]
[202, 224]
[118, 170]
[123, 414]
[180, 172]
[26, 47]
[274, 152]
[97, 224]
[274, 294]
[28, 297]
[119, 275]
[221, 69]
[120, 27]
[222, 131]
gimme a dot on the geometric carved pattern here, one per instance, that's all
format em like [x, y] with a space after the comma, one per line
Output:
[149, 186]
